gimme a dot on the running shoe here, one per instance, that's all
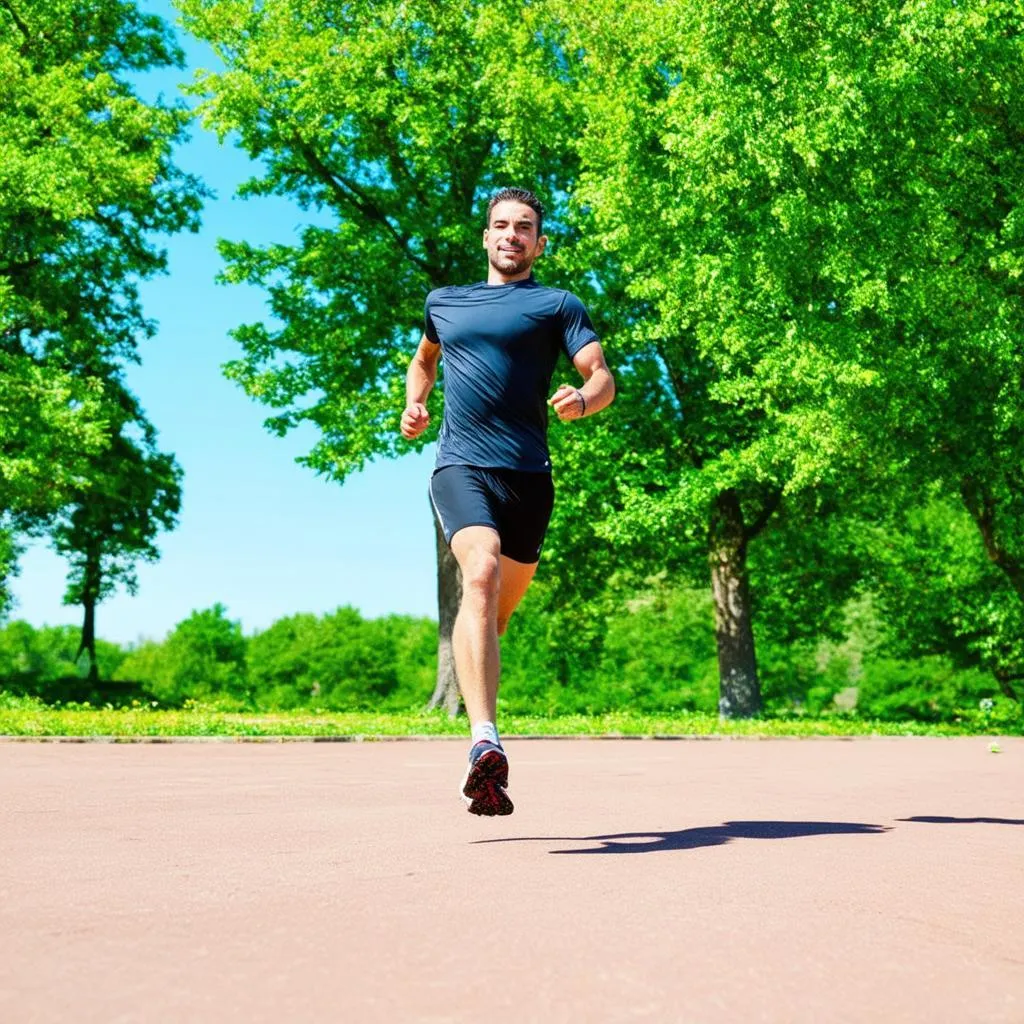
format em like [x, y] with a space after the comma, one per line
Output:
[484, 786]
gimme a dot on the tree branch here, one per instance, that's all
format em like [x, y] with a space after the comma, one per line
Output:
[767, 511]
[350, 194]
[21, 26]
[981, 505]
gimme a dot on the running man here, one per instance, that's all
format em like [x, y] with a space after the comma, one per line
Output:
[491, 488]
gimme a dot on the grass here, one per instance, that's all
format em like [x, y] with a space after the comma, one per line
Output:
[30, 718]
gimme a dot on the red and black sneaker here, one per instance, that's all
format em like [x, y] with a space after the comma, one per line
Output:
[484, 786]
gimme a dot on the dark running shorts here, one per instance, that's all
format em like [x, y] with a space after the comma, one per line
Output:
[515, 503]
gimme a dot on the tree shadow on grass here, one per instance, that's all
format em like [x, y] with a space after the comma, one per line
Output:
[694, 838]
[936, 819]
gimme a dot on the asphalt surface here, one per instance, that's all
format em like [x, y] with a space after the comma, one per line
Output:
[725, 880]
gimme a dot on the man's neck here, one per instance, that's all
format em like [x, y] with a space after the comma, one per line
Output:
[495, 276]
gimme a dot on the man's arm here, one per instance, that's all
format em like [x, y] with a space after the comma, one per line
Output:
[597, 391]
[419, 380]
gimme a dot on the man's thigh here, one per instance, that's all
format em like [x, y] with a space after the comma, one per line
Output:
[515, 579]
[473, 542]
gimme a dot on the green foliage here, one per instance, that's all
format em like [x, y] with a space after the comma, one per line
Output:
[660, 653]
[85, 175]
[87, 183]
[341, 662]
[940, 593]
[133, 492]
[924, 690]
[51, 423]
[757, 171]
[42, 662]
[799, 230]
[807, 223]
[658, 659]
[203, 658]
[10, 549]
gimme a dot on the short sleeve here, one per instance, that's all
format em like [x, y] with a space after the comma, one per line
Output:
[428, 324]
[577, 330]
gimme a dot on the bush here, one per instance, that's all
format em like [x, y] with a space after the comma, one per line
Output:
[924, 690]
[658, 655]
[343, 662]
[41, 663]
[203, 658]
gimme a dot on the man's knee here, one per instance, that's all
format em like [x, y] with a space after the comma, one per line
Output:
[481, 574]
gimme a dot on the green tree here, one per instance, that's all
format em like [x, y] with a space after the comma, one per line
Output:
[387, 124]
[134, 492]
[280, 662]
[940, 594]
[202, 659]
[340, 661]
[50, 425]
[706, 302]
[941, 163]
[86, 182]
[815, 216]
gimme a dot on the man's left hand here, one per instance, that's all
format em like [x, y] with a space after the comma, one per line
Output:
[568, 402]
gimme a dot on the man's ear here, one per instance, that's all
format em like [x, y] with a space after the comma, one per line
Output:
[486, 230]
[543, 243]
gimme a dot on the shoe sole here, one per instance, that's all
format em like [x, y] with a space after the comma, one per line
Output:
[484, 787]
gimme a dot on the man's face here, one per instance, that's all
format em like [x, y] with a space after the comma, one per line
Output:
[511, 238]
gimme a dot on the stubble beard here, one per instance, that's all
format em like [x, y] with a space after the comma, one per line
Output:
[505, 264]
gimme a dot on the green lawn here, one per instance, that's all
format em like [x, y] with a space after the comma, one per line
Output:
[30, 718]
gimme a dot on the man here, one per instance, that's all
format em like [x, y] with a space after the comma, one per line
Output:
[491, 489]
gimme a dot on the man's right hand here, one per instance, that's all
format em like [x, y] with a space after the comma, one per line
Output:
[415, 419]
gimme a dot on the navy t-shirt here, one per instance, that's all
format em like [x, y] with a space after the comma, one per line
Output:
[500, 344]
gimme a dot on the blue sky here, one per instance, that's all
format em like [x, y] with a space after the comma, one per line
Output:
[257, 532]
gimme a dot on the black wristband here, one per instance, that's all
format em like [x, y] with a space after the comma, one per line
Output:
[583, 402]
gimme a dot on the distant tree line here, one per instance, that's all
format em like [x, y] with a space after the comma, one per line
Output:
[658, 655]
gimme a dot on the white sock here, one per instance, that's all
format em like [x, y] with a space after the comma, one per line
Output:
[486, 731]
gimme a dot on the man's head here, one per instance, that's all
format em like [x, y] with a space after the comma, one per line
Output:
[513, 238]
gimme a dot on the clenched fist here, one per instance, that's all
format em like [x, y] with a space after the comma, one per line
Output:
[568, 402]
[415, 419]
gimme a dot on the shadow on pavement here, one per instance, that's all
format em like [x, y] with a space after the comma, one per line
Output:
[694, 838]
[935, 819]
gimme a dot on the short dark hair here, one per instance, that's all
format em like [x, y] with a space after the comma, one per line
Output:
[517, 195]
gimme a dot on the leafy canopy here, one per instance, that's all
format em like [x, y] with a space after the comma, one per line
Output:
[86, 181]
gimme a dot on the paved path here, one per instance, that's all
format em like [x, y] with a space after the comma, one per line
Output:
[721, 881]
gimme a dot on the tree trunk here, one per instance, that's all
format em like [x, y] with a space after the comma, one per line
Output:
[449, 594]
[739, 687]
[89, 592]
[981, 505]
